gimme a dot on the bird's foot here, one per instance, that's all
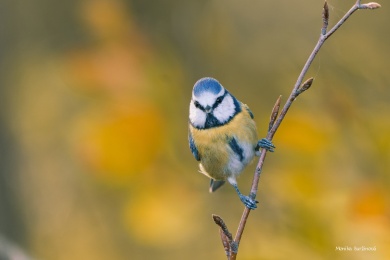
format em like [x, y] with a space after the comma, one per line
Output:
[265, 144]
[248, 202]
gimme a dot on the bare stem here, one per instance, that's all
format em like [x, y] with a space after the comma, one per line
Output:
[274, 125]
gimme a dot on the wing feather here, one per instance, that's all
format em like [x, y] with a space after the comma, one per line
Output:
[193, 148]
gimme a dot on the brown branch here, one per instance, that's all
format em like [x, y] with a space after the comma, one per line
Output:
[226, 237]
[298, 89]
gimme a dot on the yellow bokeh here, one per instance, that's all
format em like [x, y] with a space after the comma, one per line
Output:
[300, 130]
[162, 216]
[120, 142]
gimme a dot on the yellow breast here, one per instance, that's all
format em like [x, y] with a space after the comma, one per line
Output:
[214, 150]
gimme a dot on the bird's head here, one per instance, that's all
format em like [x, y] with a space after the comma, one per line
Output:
[211, 104]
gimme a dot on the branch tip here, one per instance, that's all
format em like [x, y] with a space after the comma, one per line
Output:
[325, 12]
[325, 18]
[219, 221]
[371, 6]
[229, 245]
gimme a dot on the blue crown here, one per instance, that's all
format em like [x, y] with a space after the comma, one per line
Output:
[207, 85]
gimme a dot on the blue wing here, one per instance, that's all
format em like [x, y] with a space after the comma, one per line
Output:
[236, 148]
[249, 111]
[193, 148]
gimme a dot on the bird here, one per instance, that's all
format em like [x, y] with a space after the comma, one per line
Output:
[222, 135]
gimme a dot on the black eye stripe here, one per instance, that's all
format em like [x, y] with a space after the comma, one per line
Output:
[216, 103]
[197, 105]
[212, 122]
[219, 100]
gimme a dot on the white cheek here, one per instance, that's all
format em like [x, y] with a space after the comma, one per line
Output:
[225, 110]
[197, 116]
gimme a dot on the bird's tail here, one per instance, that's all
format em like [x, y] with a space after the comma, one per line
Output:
[214, 185]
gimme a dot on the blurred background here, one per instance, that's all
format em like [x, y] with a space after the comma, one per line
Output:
[94, 159]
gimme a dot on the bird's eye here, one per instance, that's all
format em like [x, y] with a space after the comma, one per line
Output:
[196, 103]
[219, 100]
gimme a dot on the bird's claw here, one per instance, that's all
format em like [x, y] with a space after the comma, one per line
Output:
[249, 202]
[266, 144]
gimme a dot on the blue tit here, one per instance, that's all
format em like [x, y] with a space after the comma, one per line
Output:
[222, 135]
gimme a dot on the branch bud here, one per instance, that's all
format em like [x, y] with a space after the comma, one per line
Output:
[219, 221]
[371, 5]
[274, 113]
[305, 86]
[325, 18]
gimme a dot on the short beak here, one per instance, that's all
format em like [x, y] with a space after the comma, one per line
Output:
[208, 109]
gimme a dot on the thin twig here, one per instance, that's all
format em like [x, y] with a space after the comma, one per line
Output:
[228, 243]
[298, 89]
[219, 221]
[225, 243]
